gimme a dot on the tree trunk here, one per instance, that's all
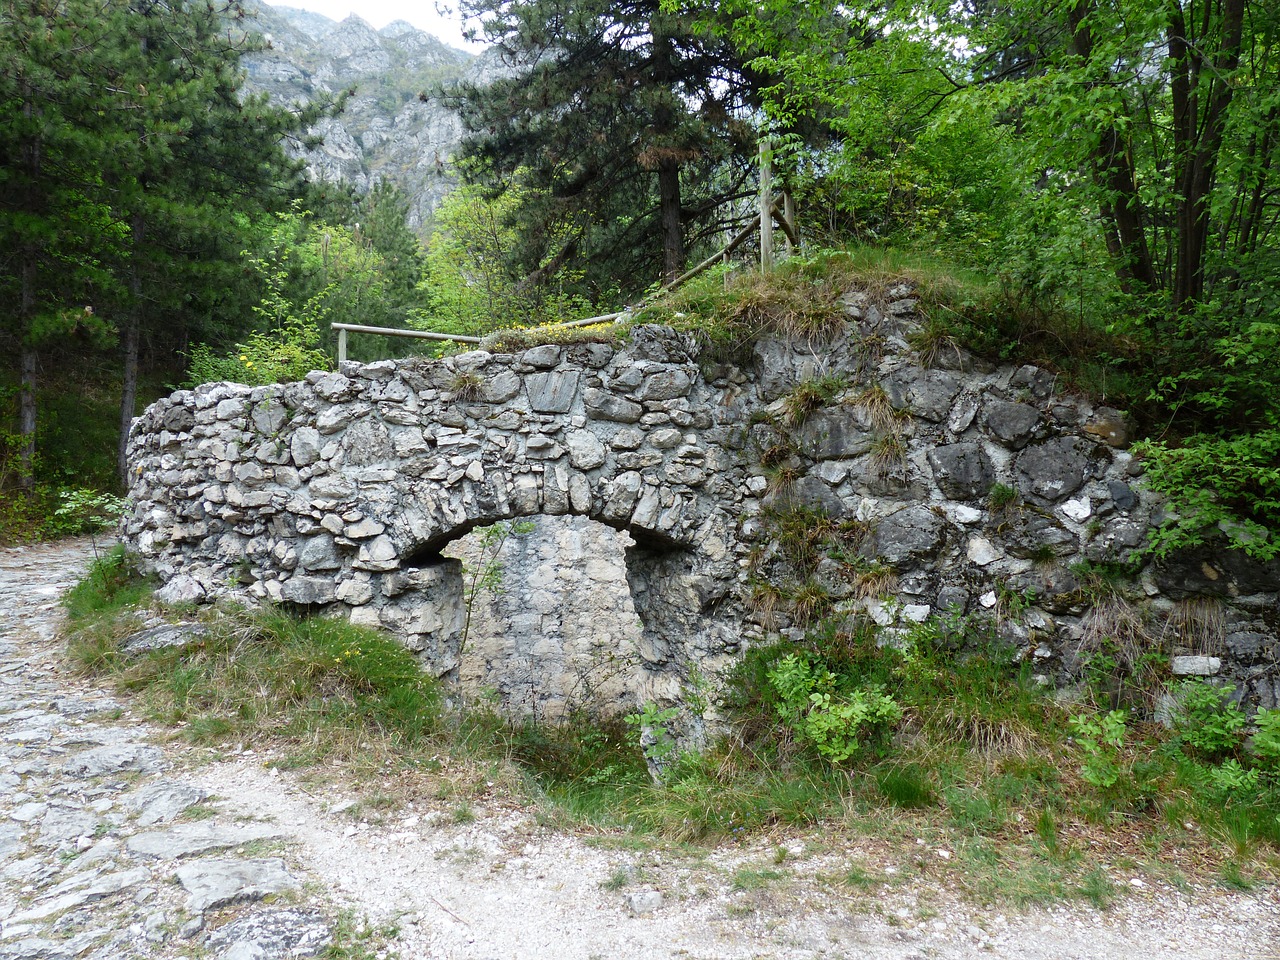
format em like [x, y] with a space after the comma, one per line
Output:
[672, 228]
[1114, 173]
[129, 345]
[1201, 100]
[26, 314]
[668, 164]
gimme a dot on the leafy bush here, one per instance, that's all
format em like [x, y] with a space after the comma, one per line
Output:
[835, 723]
[1209, 722]
[1218, 485]
[1101, 738]
[1266, 742]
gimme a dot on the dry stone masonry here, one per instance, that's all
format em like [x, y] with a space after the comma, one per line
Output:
[981, 491]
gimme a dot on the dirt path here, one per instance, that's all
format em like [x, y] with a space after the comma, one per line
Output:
[99, 860]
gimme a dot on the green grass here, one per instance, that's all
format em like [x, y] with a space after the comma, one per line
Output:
[982, 764]
[113, 585]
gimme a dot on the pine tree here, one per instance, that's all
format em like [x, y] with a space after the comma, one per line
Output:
[627, 118]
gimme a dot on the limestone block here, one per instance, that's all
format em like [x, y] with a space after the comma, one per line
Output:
[378, 554]
[308, 590]
[1039, 383]
[363, 529]
[606, 406]
[552, 392]
[499, 387]
[269, 418]
[334, 387]
[586, 452]
[620, 496]
[926, 393]
[982, 552]
[409, 442]
[1013, 424]
[334, 419]
[910, 536]
[665, 385]
[836, 433]
[1052, 470]
[366, 442]
[542, 357]
[627, 438]
[1195, 666]
[963, 471]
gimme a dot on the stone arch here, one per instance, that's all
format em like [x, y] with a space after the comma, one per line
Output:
[338, 493]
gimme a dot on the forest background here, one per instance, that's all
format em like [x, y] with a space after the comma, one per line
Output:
[1098, 179]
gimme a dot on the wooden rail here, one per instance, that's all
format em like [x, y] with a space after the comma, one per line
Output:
[781, 208]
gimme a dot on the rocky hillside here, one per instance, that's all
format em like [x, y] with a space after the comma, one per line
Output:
[386, 131]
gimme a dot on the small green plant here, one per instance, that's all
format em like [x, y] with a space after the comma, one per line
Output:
[465, 385]
[1002, 498]
[810, 396]
[1266, 741]
[1208, 722]
[835, 723]
[654, 726]
[114, 583]
[888, 453]
[879, 408]
[1101, 738]
[487, 575]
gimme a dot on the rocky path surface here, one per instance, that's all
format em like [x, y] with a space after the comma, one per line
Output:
[113, 844]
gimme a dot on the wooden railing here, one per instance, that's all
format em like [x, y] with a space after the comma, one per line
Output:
[780, 208]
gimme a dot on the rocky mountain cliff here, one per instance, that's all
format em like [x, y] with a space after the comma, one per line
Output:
[386, 131]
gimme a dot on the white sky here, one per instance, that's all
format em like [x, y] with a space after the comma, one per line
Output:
[421, 13]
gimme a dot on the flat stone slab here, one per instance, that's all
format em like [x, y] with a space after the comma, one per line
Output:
[216, 882]
[163, 801]
[119, 758]
[188, 839]
[96, 888]
[272, 934]
[66, 823]
[1195, 666]
[165, 637]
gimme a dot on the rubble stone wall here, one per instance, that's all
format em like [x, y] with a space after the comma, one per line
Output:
[984, 491]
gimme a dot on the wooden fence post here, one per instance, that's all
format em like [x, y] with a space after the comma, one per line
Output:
[766, 205]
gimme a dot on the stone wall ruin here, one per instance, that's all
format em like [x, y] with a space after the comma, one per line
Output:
[973, 485]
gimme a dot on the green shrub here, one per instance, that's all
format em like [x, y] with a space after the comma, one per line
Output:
[835, 723]
[1101, 738]
[1209, 722]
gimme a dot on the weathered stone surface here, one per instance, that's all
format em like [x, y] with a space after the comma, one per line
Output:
[606, 406]
[305, 446]
[665, 385]
[1013, 424]
[808, 493]
[836, 433]
[181, 589]
[272, 935]
[552, 392]
[908, 537]
[165, 637]
[926, 393]
[219, 882]
[114, 759]
[163, 801]
[963, 471]
[1052, 470]
[308, 591]
[187, 839]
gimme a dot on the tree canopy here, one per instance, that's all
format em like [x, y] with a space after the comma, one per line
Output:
[627, 119]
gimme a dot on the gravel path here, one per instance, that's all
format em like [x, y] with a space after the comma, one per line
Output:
[115, 844]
